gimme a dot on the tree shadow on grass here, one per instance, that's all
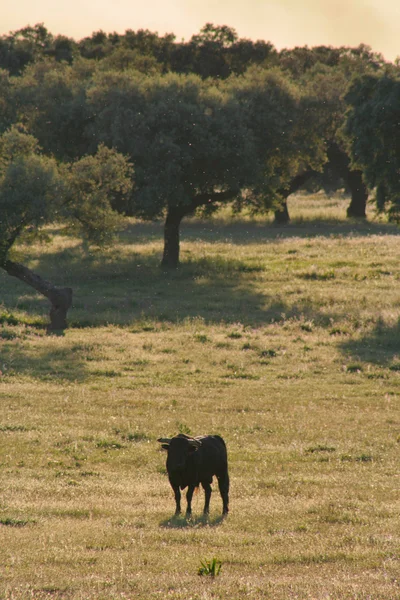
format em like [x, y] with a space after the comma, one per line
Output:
[181, 522]
[41, 362]
[380, 347]
[130, 290]
[255, 231]
[120, 287]
[118, 290]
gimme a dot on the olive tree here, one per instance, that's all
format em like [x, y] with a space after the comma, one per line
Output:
[325, 74]
[35, 191]
[197, 143]
[50, 100]
[7, 104]
[373, 128]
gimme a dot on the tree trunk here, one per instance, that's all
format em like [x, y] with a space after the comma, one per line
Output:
[359, 195]
[60, 298]
[173, 222]
[172, 225]
[282, 213]
[282, 216]
[353, 179]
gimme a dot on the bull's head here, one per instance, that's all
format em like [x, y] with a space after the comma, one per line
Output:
[179, 448]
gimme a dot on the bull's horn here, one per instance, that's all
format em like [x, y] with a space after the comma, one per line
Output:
[164, 440]
[195, 443]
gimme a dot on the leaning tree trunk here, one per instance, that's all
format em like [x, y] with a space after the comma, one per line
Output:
[60, 298]
[282, 213]
[172, 225]
[359, 195]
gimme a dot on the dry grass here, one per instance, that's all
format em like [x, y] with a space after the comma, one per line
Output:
[284, 341]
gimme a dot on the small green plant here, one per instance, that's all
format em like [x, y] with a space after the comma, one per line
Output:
[307, 326]
[364, 458]
[108, 444]
[9, 522]
[270, 353]
[210, 567]
[354, 368]
[9, 318]
[182, 428]
[320, 448]
[7, 334]
[137, 436]
[234, 335]
[201, 337]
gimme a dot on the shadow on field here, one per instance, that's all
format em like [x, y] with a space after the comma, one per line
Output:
[180, 522]
[113, 290]
[381, 346]
[52, 365]
[256, 232]
[122, 285]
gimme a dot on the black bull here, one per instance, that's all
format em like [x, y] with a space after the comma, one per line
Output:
[194, 461]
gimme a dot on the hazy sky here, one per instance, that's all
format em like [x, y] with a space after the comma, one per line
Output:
[285, 23]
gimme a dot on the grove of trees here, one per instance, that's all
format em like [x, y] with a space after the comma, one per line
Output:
[142, 125]
[35, 190]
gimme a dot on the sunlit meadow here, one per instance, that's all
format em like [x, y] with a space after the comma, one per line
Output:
[284, 340]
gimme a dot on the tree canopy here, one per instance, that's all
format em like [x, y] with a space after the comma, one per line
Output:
[185, 125]
[196, 143]
[35, 190]
[373, 127]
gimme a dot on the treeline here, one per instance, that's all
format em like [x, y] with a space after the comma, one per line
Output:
[143, 125]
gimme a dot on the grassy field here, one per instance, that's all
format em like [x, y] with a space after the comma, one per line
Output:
[285, 341]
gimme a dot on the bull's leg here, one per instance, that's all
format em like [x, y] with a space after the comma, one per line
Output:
[207, 491]
[189, 496]
[177, 493]
[223, 484]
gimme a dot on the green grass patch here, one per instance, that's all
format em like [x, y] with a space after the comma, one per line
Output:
[11, 522]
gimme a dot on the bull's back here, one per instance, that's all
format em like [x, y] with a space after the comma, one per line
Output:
[213, 454]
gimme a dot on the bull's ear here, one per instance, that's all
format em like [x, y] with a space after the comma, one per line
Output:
[164, 443]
